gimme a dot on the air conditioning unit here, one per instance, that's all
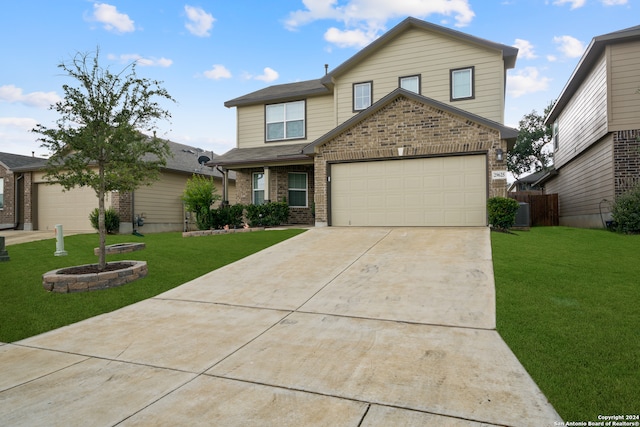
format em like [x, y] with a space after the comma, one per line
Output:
[523, 217]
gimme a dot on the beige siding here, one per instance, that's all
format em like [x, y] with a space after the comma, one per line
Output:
[584, 120]
[161, 205]
[320, 120]
[624, 64]
[432, 56]
[583, 184]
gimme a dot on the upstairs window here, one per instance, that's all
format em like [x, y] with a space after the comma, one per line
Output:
[298, 190]
[462, 84]
[285, 121]
[1, 193]
[362, 93]
[258, 188]
[410, 83]
[556, 135]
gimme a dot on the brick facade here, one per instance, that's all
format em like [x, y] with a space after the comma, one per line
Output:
[626, 155]
[420, 130]
[279, 189]
[24, 215]
[7, 213]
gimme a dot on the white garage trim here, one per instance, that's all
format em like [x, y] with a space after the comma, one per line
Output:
[434, 191]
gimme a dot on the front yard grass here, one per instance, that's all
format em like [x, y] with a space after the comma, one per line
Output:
[568, 305]
[26, 309]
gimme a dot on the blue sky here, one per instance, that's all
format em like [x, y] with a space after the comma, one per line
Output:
[208, 52]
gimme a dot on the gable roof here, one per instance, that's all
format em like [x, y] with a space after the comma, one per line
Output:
[586, 64]
[507, 133]
[509, 53]
[298, 90]
[12, 161]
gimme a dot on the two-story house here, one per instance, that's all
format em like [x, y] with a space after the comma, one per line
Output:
[596, 124]
[408, 131]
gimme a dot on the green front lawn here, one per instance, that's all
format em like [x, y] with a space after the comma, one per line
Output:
[568, 305]
[26, 309]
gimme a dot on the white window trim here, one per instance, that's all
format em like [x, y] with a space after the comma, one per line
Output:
[471, 83]
[254, 190]
[304, 121]
[366, 84]
[306, 189]
[556, 135]
[415, 76]
[2, 193]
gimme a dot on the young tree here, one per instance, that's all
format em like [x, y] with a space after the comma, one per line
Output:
[98, 141]
[530, 152]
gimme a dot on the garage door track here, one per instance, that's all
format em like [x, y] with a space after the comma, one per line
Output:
[334, 327]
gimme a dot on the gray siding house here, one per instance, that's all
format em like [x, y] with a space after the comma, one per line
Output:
[596, 123]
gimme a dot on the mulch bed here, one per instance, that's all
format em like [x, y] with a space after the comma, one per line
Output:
[93, 268]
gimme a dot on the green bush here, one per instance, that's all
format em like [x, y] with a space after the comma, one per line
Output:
[502, 212]
[231, 215]
[626, 212]
[198, 196]
[268, 214]
[111, 220]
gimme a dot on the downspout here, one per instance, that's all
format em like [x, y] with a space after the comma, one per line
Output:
[16, 207]
[225, 190]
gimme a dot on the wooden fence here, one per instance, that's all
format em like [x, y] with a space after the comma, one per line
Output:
[543, 208]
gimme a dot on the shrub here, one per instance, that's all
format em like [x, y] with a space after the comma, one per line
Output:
[502, 212]
[231, 215]
[111, 220]
[268, 214]
[626, 211]
[198, 196]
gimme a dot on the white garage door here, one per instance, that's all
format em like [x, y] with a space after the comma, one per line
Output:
[438, 191]
[69, 208]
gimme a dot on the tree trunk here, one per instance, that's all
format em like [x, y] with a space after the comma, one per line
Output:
[102, 229]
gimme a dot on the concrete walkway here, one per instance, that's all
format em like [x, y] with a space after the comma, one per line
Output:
[334, 327]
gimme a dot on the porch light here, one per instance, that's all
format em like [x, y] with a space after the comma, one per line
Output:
[499, 154]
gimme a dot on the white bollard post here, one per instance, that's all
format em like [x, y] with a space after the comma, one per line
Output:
[59, 242]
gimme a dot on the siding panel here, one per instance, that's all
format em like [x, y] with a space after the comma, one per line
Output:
[584, 183]
[625, 81]
[584, 119]
[432, 56]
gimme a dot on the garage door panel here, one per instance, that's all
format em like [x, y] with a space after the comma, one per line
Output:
[448, 191]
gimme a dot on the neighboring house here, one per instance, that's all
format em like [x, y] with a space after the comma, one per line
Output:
[159, 205]
[405, 132]
[15, 190]
[528, 183]
[596, 123]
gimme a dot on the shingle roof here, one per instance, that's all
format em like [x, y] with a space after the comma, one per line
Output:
[263, 155]
[281, 93]
[13, 161]
[183, 158]
[586, 64]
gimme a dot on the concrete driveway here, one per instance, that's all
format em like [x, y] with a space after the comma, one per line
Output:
[334, 327]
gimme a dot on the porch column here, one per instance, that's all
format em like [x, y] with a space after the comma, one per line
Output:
[267, 190]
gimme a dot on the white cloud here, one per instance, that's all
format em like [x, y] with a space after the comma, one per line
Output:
[366, 19]
[12, 94]
[141, 61]
[575, 4]
[525, 49]
[22, 123]
[525, 81]
[200, 22]
[268, 75]
[218, 72]
[111, 19]
[569, 46]
[349, 38]
[614, 2]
